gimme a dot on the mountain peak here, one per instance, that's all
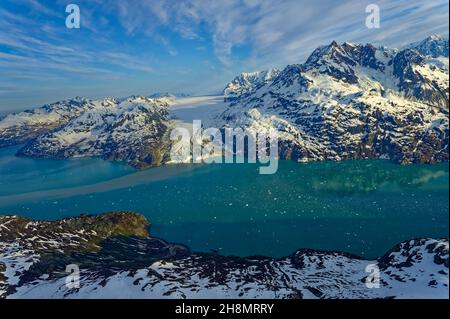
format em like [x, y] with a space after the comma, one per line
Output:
[434, 46]
[436, 37]
[354, 90]
[247, 81]
[333, 44]
[332, 52]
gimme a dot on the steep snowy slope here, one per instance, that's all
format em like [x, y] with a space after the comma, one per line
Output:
[434, 46]
[118, 259]
[132, 130]
[352, 101]
[18, 128]
[246, 82]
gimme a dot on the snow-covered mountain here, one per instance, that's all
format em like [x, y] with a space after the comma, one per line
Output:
[246, 82]
[118, 259]
[347, 101]
[159, 95]
[132, 130]
[353, 101]
[434, 46]
[23, 127]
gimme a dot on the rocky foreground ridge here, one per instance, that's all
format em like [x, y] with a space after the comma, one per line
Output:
[118, 258]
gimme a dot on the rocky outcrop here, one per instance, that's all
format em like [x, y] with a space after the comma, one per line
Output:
[433, 46]
[79, 233]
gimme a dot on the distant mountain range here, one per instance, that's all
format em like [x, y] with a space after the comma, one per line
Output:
[347, 101]
[118, 259]
[168, 95]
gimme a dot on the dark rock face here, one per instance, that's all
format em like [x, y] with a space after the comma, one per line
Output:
[115, 250]
[334, 60]
[415, 84]
[339, 61]
[368, 58]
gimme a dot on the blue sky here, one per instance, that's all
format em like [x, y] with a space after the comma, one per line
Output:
[192, 46]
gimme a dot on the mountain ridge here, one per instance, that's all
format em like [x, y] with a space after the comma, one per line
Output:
[353, 101]
[132, 130]
[347, 101]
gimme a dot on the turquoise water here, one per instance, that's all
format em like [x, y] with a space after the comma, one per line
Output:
[22, 175]
[362, 207]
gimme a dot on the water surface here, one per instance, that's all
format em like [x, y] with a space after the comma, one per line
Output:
[362, 207]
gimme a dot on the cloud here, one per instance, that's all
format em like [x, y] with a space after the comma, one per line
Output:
[37, 6]
[284, 31]
[275, 31]
[208, 41]
[22, 48]
[126, 61]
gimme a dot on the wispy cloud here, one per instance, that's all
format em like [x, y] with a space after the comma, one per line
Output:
[189, 44]
[25, 50]
[282, 30]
